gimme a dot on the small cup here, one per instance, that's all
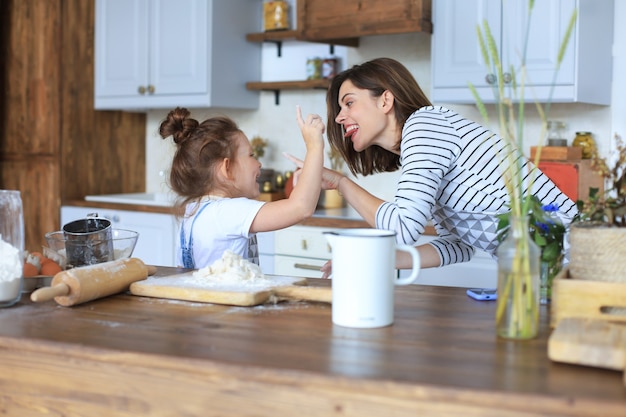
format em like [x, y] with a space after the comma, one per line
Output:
[364, 276]
[11, 247]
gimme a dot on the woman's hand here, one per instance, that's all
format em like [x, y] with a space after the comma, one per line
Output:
[327, 269]
[330, 178]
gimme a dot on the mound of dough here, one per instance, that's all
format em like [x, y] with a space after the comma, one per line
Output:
[232, 269]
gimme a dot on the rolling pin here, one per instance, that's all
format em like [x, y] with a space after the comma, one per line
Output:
[86, 283]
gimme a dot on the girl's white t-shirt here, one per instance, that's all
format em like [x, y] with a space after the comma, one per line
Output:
[223, 224]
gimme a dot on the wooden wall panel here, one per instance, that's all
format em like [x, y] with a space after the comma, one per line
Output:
[54, 146]
[103, 151]
[35, 182]
[30, 140]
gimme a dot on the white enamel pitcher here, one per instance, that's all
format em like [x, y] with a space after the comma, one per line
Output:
[364, 276]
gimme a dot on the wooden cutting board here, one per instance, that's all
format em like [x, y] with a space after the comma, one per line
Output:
[590, 342]
[189, 288]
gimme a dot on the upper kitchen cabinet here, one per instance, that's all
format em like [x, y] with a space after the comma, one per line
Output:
[153, 54]
[586, 69]
[326, 20]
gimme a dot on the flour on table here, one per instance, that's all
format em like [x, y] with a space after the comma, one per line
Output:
[10, 271]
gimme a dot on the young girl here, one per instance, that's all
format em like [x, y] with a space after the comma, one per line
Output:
[215, 173]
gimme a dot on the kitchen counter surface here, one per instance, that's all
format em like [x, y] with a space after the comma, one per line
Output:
[345, 217]
[135, 356]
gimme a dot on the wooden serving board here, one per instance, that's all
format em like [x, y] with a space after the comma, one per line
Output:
[186, 287]
[589, 342]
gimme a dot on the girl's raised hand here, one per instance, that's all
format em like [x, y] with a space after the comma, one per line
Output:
[312, 125]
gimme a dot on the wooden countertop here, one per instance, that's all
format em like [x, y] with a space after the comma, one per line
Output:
[135, 356]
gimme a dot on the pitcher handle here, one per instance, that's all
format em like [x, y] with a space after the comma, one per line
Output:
[416, 265]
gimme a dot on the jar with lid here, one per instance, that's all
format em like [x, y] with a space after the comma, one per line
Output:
[275, 15]
[313, 68]
[329, 67]
[555, 133]
[586, 142]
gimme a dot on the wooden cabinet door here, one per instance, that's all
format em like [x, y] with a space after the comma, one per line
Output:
[330, 19]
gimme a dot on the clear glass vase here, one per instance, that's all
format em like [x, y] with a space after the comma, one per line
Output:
[517, 309]
[548, 270]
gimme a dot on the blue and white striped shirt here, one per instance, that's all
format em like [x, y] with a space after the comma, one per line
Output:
[452, 173]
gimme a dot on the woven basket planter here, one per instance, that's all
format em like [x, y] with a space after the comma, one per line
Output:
[597, 253]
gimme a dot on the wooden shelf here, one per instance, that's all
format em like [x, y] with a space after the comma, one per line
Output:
[278, 36]
[277, 86]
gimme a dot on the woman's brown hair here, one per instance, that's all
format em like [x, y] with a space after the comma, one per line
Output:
[199, 148]
[377, 76]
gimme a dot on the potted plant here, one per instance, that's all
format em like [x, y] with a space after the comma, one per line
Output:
[598, 233]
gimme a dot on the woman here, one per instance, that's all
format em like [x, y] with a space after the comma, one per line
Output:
[451, 175]
[214, 172]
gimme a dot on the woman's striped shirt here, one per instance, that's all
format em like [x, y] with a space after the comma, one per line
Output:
[452, 174]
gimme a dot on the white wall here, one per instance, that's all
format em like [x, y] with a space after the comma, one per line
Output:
[277, 122]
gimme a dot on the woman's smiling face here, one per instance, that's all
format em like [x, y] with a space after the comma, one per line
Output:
[361, 116]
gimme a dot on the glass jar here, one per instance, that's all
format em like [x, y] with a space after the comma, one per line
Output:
[517, 306]
[314, 68]
[11, 247]
[586, 142]
[556, 136]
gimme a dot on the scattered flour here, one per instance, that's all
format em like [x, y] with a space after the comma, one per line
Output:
[10, 271]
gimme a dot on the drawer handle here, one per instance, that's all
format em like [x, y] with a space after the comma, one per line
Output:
[303, 244]
[308, 267]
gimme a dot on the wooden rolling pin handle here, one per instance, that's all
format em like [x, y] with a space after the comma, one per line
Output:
[48, 293]
[304, 293]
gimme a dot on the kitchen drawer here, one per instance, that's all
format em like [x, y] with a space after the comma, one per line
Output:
[303, 241]
[294, 266]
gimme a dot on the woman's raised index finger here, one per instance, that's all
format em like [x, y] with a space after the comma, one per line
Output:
[298, 162]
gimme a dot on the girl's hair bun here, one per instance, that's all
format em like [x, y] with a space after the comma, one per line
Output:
[179, 125]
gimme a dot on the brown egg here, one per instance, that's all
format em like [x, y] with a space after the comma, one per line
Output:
[50, 268]
[30, 270]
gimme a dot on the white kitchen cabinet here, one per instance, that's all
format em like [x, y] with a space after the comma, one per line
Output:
[586, 70]
[157, 232]
[301, 251]
[168, 53]
[265, 241]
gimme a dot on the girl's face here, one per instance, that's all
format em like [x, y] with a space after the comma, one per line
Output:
[362, 116]
[246, 169]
